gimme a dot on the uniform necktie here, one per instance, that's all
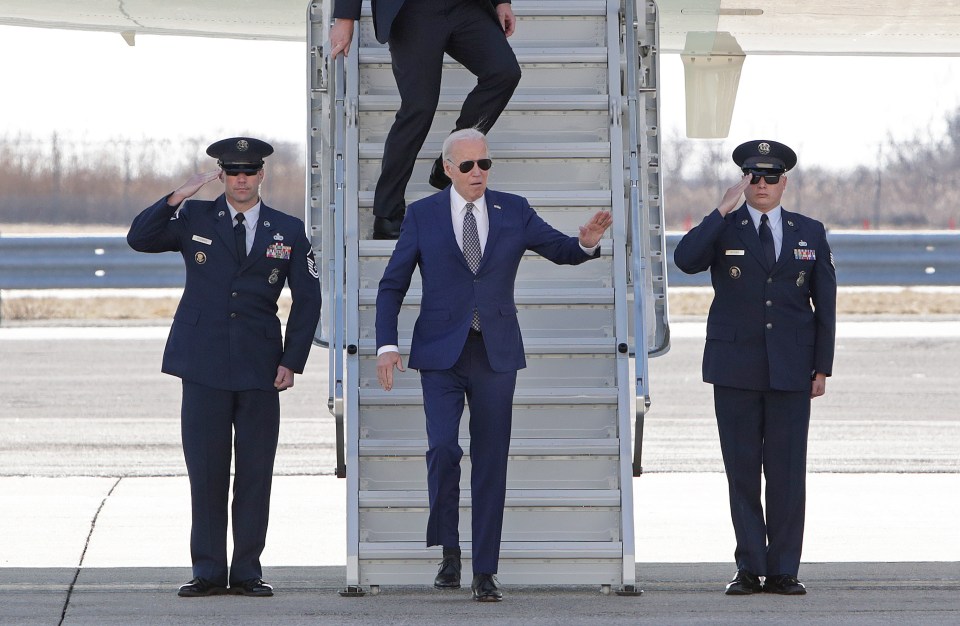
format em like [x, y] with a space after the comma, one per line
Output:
[766, 240]
[471, 251]
[240, 236]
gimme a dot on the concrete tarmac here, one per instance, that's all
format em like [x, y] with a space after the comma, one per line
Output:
[96, 506]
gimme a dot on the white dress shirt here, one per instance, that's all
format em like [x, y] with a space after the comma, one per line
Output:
[250, 218]
[775, 219]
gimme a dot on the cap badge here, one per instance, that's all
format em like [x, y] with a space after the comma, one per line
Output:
[763, 148]
[242, 145]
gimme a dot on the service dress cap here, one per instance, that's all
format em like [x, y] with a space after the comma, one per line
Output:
[240, 151]
[764, 155]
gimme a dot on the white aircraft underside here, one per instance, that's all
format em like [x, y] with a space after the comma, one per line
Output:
[713, 36]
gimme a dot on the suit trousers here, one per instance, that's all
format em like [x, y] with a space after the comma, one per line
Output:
[422, 32]
[490, 397]
[765, 431]
[212, 422]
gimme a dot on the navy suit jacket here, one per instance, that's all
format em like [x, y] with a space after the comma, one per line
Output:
[226, 333]
[450, 289]
[385, 11]
[766, 330]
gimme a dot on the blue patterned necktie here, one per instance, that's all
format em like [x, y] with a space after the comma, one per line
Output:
[471, 251]
[766, 240]
[240, 237]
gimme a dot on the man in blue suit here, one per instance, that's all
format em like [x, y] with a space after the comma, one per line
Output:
[227, 347]
[769, 350]
[474, 33]
[467, 242]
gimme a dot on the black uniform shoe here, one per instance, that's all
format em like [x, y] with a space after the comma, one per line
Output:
[253, 587]
[200, 587]
[449, 575]
[785, 585]
[386, 228]
[485, 588]
[744, 584]
[439, 178]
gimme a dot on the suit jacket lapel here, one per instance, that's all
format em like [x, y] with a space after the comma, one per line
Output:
[494, 222]
[444, 217]
[262, 236]
[791, 236]
[223, 225]
[748, 234]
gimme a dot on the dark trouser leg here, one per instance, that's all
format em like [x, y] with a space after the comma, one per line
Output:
[477, 42]
[443, 401]
[417, 41]
[490, 395]
[740, 422]
[206, 430]
[785, 469]
[257, 426]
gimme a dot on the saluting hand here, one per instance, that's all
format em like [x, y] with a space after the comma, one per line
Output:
[192, 186]
[592, 231]
[731, 199]
[341, 36]
[385, 364]
[507, 20]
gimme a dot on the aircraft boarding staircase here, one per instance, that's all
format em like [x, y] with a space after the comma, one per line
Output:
[580, 134]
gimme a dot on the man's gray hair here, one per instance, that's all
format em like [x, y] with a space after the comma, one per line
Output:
[463, 135]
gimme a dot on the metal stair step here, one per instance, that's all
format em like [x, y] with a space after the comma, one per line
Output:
[512, 151]
[525, 56]
[515, 498]
[518, 447]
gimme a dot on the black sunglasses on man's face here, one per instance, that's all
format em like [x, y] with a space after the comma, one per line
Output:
[756, 175]
[466, 166]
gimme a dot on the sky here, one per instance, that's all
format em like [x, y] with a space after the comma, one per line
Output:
[92, 87]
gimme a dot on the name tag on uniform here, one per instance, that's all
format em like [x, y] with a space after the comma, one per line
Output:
[734, 252]
[202, 239]
[278, 251]
[804, 254]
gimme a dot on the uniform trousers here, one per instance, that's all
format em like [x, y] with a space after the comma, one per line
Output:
[765, 432]
[215, 422]
[421, 33]
[490, 397]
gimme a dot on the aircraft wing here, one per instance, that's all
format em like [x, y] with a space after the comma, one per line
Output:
[713, 37]
[280, 20]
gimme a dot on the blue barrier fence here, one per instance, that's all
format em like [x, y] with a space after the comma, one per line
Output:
[863, 259]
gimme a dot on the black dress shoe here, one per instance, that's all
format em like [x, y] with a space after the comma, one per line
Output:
[253, 587]
[744, 584]
[439, 178]
[200, 587]
[785, 585]
[386, 228]
[448, 577]
[485, 588]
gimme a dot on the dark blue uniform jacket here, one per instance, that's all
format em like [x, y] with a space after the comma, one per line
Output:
[226, 333]
[766, 330]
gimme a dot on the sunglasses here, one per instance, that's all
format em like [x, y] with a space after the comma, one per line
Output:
[467, 166]
[756, 175]
[237, 172]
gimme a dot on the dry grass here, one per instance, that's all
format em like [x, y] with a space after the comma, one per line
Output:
[850, 301]
[693, 302]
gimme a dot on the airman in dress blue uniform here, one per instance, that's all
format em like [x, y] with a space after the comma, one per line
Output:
[769, 350]
[227, 347]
